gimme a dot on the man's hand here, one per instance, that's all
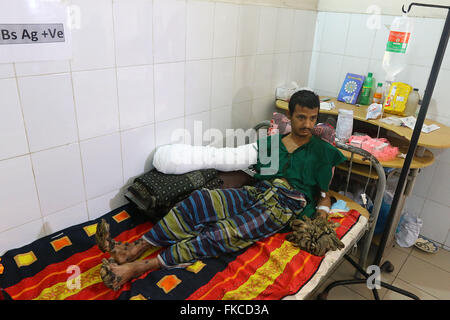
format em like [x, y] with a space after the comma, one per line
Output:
[315, 236]
[321, 214]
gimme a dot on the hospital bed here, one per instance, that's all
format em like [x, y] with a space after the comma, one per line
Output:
[359, 235]
[65, 265]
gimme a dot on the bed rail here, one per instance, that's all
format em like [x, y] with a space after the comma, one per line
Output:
[381, 186]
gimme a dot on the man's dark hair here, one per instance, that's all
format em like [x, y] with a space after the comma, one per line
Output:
[304, 98]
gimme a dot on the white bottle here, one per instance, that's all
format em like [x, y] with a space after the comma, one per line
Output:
[378, 95]
[344, 126]
[418, 108]
[396, 51]
[412, 103]
[388, 95]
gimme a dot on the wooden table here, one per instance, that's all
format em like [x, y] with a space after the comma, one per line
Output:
[438, 139]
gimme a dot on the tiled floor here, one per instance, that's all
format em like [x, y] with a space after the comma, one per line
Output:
[425, 275]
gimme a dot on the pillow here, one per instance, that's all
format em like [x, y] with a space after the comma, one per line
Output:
[326, 132]
[279, 121]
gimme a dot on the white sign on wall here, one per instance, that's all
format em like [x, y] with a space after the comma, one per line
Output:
[34, 30]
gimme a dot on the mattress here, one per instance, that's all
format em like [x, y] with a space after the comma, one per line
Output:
[331, 259]
[66, 265]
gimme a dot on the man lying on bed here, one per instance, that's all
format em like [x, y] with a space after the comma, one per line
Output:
[212, 222]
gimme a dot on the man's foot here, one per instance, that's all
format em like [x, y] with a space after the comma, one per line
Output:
[109, 275]
[114, 276]
[121, 252]
[104, 241]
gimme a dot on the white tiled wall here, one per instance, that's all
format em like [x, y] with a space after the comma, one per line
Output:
[74, 134]
[344, 40]
[343, 43]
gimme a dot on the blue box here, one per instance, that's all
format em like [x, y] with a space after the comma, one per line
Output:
[351, 88]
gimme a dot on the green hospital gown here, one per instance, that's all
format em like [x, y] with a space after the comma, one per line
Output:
[308, 169]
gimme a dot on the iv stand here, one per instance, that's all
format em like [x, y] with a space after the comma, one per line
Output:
[401, 183]
[417, 128]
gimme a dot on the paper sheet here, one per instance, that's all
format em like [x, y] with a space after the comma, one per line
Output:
[410, 122]
[327, 105]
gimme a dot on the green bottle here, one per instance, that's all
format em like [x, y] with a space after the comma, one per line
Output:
[365, 92]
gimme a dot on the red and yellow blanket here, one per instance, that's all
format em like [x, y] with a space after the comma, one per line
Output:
[66, 265]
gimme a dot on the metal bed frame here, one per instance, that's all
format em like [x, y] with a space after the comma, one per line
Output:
[370, 228]
[361, 267]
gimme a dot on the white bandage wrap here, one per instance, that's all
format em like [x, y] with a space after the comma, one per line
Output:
[182, 158]
[324, 208]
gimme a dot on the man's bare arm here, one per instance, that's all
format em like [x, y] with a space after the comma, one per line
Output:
[324, 201]
[323, 205]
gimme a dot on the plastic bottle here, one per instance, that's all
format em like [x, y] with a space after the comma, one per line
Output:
[412, 103]
[344, 126]
[367, 87]
[418, 108]
[395, 55]
[373, 89]
[378, 95]
[387, 87]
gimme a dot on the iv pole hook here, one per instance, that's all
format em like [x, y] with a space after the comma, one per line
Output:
[423, 5]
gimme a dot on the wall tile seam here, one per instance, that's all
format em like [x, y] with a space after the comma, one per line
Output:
[436, 202]
[78, 142]
[381, 14]
[414, 285]
[28, 145]
[238, 29]
[221, 107]
[446, 238]
[436, 164]
[440, 203]
[85, 201]
[185, 56]
[345, 43]
[161, 63]
[124, 130]
[353, 13]
[258, 22]
[117, 86]
[272, 5]
[25, 223]
[379, 60]
[53, 212]
[423, 199]
[211, 76]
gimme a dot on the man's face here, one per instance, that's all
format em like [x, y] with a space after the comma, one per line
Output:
[303, 120]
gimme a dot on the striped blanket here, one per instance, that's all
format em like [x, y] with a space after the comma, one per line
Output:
[66, 265]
